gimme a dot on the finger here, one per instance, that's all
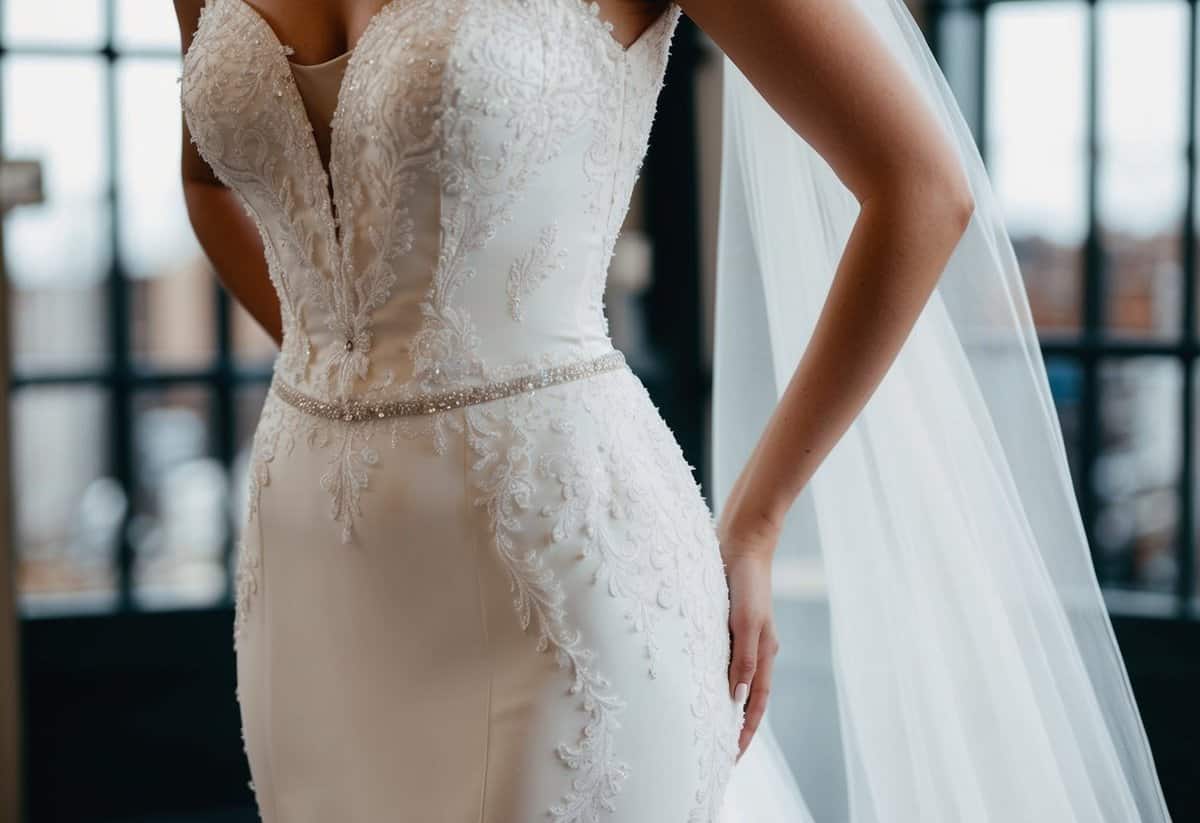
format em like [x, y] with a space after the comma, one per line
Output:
[760, 689]
[743, 660]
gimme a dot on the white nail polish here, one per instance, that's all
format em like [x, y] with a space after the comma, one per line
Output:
[740, 692]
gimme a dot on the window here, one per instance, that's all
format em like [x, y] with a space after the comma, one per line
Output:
[135, 380]
[1085, 113]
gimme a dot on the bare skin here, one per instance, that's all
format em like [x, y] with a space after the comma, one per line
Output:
[822, 67]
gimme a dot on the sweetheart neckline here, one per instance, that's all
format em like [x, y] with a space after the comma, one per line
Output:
[326, 175]
[590, 8]
[328, 194]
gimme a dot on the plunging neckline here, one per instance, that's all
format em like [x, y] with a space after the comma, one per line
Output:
[329, 190]
[318, 86]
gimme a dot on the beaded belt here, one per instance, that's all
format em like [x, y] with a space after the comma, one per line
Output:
[357, 410]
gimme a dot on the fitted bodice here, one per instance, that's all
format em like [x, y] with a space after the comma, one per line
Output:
[482, 158]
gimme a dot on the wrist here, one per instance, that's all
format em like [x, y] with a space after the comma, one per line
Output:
[752, 534]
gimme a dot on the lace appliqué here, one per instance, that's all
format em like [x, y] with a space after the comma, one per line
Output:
[604, 504]
[499, 436]
[665, 559]
[378, 158]
[529, 270]
[350, 457]
[246, 577]
[472, 115]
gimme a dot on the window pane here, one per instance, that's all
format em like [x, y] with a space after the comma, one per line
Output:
[172, 302]
[1036, 130]
[173, 317]
[1141, 202]
[58, 253]
[1142, 75]
[36, 22]
[249, 401]
[1045, 209]
[1195, 536]
[959, 59]
[179, 523]
[1137, 473]
[54, 112]
[142, 24]
[1066, 385]
[69, 510]
[1035, 74]
[155, 232]
[1142, 102]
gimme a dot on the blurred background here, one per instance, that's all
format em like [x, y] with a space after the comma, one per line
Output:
[133, 383]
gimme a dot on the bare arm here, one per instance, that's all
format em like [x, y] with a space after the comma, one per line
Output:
[227, 235]
[823, 68]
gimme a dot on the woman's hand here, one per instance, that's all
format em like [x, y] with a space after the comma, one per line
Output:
[752, 627]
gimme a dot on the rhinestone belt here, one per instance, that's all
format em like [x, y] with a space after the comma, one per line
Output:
[358, 410]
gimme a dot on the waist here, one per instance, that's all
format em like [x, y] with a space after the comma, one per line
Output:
[356, 410]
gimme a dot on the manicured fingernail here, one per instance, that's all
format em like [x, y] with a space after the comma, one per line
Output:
[740, 692]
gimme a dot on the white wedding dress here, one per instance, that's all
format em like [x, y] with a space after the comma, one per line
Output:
[478, 580]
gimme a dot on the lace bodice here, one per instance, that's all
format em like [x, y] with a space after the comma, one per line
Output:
[483, 155]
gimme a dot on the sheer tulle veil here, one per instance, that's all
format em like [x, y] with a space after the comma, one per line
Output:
[976, 675]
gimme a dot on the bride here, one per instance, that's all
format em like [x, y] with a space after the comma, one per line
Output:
[477, 580]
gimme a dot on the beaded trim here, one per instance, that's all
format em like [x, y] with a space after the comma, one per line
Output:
[355, 411]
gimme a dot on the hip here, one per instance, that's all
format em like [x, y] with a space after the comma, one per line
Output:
[553, 454]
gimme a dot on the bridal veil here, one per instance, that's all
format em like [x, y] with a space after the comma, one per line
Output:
[977, 677]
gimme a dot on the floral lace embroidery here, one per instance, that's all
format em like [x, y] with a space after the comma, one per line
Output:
[272, 162]
[246, 579]
[701, 574]
[529, 270]
[444, 105]
[678, 555]
[500, 436]
[392, 147]
[238, 125]
[603, 491]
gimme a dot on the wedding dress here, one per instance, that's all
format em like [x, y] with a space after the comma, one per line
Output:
[477, 580]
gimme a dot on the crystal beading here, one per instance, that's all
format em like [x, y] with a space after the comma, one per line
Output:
[354, 411]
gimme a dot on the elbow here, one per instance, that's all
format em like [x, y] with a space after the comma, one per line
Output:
[950, 190]
[935, 199]
[960, 205]
[944, 194]
[944, 204]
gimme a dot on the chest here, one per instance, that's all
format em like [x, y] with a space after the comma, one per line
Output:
[534, 61]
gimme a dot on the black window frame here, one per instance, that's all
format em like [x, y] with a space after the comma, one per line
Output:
[1093, 346]
[675, 374]
[123, 377]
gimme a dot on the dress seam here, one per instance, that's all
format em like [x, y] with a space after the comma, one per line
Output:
[265, 695]
[468, 515]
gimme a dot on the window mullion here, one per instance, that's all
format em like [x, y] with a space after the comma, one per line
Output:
[225, 408]
[1185, 581]
[121, 419]
[1092, 296]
